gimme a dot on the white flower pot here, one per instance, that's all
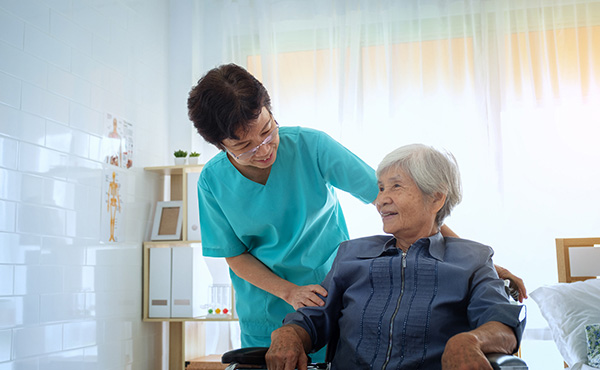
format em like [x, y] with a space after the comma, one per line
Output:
[180, 161]
[193, 160]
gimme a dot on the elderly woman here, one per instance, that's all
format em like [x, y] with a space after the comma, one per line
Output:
[413, 300]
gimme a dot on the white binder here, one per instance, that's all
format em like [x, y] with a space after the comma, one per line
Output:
[193, 216]
[189, 278]
[159, 284]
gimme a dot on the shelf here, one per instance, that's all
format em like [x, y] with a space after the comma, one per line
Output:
[175, 170]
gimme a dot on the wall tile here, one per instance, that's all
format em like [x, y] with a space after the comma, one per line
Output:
[10, 90]
[63, 252]
[47, 48]
[19, 249]
[10, 185]
[6, 277]
[42, 161]
[38, 279]
[68, 85]
[85, 119]
[7, 216]
[79, 279]
[65, 360]
[41, 220]
[62, 307]
[30, 11]
[92, 20]
[8, 153]
[11, 29]
[5, 345]
[21, 125]
[45, 104]
[19, 311]
[37, 340]
[23, 66]
[79, 334]
[70, 33]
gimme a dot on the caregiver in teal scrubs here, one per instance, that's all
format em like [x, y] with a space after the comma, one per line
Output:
[267, 200]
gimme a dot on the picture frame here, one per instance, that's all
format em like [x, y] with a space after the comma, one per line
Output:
[168, 220]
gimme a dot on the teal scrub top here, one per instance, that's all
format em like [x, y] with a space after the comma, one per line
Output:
[293, 224]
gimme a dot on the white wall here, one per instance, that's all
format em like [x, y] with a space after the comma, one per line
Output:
[68, 300]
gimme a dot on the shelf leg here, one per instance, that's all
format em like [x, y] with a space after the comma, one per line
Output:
[176, 345]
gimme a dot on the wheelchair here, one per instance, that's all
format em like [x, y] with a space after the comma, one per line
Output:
[254, 358]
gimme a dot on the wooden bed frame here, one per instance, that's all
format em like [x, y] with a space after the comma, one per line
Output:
[563, 258]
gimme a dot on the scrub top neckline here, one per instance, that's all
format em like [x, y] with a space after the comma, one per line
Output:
[240, 174]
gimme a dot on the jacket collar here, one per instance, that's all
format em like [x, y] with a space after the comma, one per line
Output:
[435, 242]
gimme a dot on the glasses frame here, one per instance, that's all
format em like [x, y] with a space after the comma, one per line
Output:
[250, 153]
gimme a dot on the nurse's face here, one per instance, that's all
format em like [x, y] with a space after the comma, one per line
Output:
[258, 146]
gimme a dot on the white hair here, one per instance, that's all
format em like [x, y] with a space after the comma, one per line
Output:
[431, 170]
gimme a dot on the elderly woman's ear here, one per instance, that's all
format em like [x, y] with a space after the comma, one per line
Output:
[438, 200]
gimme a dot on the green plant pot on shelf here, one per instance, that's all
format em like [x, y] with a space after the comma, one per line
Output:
[193, 158]
[180, 157]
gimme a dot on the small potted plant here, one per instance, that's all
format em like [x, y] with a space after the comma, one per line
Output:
[193, 159]
[180, 156]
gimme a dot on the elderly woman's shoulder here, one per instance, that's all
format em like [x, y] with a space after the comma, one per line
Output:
[469, 247]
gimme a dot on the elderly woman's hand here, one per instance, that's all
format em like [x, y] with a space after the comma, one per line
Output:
[516, 282]
[306, 296]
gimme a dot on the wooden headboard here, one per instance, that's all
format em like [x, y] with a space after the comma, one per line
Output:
[563, 257]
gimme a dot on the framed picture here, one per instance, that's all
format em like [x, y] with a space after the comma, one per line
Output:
[168, 219]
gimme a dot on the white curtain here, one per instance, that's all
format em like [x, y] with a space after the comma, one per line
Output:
[511, 88]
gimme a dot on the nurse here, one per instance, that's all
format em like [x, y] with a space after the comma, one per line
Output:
[267, 201]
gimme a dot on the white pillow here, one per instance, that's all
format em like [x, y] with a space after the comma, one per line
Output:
[568, 307]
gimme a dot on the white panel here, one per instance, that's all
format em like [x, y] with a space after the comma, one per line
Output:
[193, 215]
[31, 279]
[585, 261]
[159, 283]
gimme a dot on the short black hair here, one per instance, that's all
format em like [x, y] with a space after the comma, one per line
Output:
[226, 99]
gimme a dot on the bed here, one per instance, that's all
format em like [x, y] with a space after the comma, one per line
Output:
[572, 307]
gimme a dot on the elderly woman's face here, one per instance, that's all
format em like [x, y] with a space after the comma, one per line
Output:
[406, 212]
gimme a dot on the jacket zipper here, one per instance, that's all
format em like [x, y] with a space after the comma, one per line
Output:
[389, 350]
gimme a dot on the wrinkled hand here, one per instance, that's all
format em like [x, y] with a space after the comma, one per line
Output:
[286, 351]
[515, 281]
[306, 296]
[462, 352]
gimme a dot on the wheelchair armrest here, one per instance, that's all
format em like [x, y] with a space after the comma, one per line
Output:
[246, 356]
[255, 356]
[500, 361]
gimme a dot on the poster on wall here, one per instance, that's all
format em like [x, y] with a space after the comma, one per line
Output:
[118, 141]
[113, 192]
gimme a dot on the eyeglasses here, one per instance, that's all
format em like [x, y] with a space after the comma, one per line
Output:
[250, 153]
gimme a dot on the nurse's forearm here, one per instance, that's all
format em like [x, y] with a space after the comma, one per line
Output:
[247, 267]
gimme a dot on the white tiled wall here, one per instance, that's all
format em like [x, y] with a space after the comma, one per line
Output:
[67, 299]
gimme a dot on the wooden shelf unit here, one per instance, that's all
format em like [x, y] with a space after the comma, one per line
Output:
[177, 333]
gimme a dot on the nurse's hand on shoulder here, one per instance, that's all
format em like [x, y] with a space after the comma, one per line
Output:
[305, 295]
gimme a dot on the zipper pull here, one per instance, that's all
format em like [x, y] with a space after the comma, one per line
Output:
[403, 259]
